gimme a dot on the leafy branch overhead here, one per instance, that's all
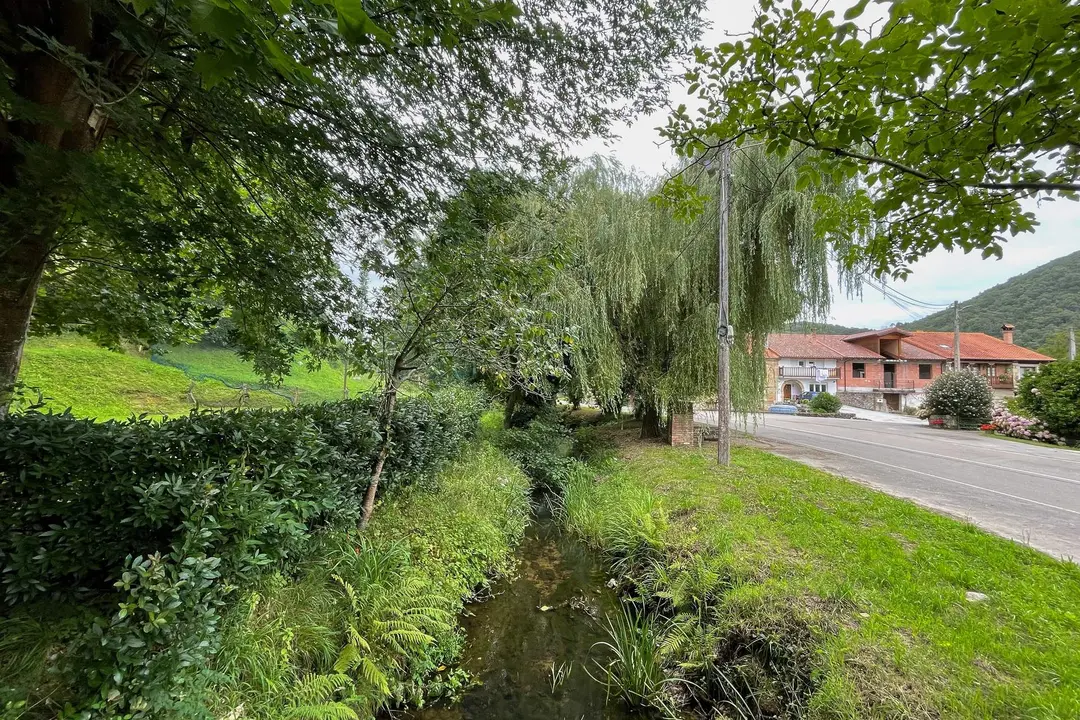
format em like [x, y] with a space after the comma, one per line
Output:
[167, 162]
[951, 112]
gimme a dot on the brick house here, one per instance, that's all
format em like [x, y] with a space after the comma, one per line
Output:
[888, 369]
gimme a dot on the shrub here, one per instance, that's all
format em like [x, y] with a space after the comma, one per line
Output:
[150, 528]
[1010, 424]
[963, 394]
[542, 449]
[825, 403]
[1053, 396]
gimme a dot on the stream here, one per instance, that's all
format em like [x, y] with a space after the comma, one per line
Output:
[513, 643]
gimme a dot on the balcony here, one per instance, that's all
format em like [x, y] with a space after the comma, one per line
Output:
[807, 373]
[891, 384]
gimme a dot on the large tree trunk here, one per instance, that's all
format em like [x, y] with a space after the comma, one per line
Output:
[33, 213]
[650, 420]
[389, 400]
[20, 274]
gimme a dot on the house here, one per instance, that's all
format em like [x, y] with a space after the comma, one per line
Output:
[888, 369]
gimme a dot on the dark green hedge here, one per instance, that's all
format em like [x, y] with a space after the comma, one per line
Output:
[149, 528]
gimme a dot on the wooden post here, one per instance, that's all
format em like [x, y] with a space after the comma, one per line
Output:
[956, 335]
[723, 331]
[1072, 344]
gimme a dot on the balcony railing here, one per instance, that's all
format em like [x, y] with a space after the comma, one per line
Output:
[891, 383]
[1002, 382]
[808, 373]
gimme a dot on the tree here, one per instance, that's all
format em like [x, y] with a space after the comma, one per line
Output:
[455, 297]
[1057, 345]
[164, 161]
[1052, 395]
[951, 112]
[639, 287]
[963, 394]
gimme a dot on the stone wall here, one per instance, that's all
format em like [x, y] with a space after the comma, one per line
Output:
[864, 400]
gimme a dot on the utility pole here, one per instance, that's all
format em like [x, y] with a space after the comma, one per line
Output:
[956, 335]
[723, 329]
[1072, 344]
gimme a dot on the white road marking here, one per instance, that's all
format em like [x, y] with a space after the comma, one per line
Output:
[1046, 453]
[935, 477]
[1071, 481]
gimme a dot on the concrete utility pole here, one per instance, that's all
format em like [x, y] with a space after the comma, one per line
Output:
[1072, 344]
[956, 336]
[723, 329]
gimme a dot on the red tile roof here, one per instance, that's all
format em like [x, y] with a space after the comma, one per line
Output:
[974, 346]
[797, 345]
[914, 346]
[878, 333]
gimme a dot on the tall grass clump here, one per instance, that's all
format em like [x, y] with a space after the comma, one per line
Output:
[634, 670]
[618, 516]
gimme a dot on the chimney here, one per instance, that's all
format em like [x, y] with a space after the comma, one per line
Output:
[1007, 333]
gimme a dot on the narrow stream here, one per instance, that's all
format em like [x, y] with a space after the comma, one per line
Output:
[550, 615]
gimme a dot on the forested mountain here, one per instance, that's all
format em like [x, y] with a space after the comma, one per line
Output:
[1039, 303]
[822, 328]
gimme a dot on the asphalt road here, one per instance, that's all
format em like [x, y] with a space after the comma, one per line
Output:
[1024, 492]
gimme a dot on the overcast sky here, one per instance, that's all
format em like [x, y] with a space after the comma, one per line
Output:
[941, 277]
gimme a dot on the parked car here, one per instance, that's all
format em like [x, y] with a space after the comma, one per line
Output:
[808, 396]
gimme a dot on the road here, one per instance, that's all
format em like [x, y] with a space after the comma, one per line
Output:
[1024, 492]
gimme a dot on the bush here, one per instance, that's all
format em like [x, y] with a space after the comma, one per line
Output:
[150, 528]
[1053, 396]
[825, 403]
[542, 449]
[1010, 424]
[960, 393]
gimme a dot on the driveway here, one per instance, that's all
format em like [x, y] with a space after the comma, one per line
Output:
[1024, 492]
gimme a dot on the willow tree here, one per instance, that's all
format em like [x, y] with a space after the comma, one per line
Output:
[640, 286]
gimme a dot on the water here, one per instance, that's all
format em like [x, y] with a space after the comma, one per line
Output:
[513, 643]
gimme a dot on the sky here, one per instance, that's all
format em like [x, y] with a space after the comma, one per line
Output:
[939, 278]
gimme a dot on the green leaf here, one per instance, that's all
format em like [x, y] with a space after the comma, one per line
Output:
[855, 10]
[356, 25]
[281, 7]
[213, 68]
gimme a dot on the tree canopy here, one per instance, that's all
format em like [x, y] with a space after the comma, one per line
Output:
[950, 112]
[638, 289]
[162, 161]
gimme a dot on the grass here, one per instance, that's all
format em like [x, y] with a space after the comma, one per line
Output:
[72, 372]
[225, 365]
[815, 596]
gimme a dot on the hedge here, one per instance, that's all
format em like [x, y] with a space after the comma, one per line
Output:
[149, 529]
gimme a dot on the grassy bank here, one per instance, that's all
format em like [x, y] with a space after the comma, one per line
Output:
[777, 590]
[73, 372]
[371, 622]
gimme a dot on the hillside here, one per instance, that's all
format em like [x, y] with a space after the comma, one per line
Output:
[823, 328]
[72, 372]
[1039, 303]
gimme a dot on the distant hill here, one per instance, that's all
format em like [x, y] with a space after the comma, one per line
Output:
[823, 328]
[1039, 303]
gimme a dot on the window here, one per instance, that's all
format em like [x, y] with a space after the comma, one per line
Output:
[817, 387]
[858, 370]
[925, 372]
[801, 363]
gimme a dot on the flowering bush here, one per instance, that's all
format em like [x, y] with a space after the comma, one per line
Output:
[963, 394]
[1053, 395]
[1017, 426]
